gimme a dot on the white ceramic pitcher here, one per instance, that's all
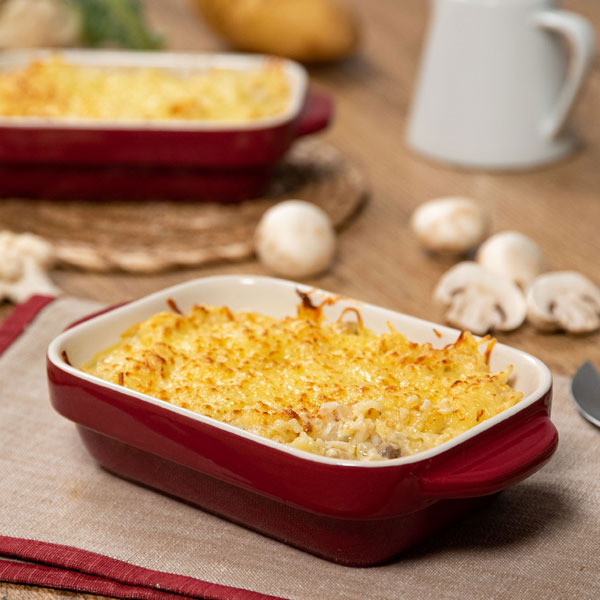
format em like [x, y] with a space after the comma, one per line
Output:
[497, 82]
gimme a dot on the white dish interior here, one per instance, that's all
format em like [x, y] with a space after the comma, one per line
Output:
[182, 63]
[278, 298]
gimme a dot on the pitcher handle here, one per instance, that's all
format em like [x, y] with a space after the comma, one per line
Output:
[580, 35]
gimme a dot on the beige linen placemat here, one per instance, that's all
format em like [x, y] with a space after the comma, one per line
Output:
[539, 539]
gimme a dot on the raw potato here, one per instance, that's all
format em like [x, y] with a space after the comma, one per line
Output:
[303, 30]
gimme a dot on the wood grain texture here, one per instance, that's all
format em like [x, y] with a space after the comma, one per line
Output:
[378, 259]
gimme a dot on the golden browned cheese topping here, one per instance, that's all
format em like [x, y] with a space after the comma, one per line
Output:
[331, 388]
[54, 88]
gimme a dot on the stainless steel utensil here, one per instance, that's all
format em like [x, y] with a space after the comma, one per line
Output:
[585, 388]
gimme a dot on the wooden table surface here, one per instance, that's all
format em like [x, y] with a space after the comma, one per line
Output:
[378, 259]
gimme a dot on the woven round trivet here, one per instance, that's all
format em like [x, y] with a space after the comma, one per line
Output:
[152, 236]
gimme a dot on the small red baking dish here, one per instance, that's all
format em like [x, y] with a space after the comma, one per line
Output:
[351, 512]
[200, 160]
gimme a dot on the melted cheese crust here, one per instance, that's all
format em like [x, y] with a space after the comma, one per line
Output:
[54, 88]
[334, 389]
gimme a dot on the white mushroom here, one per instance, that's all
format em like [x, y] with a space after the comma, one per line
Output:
[295, 239]
[478, 300]
[513, 255]
[38, 23]
[24, 259]
[451, 225]
[11, 263]
[564, 300]
[33, 245]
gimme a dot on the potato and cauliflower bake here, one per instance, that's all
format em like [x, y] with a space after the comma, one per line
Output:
[331, 388]
[52, 87]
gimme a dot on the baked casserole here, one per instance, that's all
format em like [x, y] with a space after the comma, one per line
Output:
[52, 87]
[331, 388]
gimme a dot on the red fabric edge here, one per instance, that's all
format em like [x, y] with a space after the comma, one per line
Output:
[77, 566]
[68, 568]
[51, 577]
[16, 322]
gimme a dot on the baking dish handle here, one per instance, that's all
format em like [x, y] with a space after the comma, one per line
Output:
[316, 114]
[504, 461]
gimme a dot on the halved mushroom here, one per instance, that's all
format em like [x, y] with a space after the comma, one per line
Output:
[478, 300]
[513, 255]
[24, 260]
[564, 300]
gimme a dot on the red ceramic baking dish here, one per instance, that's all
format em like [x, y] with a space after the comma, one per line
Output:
[77, 158]
[355, 513]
